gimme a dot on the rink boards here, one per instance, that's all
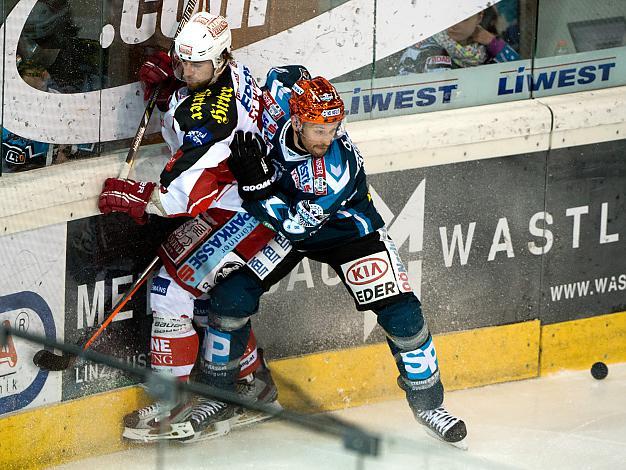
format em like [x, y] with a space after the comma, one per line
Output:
[334, 380]
[513, 238]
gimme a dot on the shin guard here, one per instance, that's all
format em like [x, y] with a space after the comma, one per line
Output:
[173, 346]
[419, 373]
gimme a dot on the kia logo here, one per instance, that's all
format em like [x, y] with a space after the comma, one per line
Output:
[366, 271]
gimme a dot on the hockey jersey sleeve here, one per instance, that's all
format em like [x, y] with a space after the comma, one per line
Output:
[335, 179]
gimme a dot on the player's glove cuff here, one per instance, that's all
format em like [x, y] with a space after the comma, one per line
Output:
[128, 196]
[257, 192]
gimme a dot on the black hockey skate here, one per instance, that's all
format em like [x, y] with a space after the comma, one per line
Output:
[200, 418]
[209, 419]
[443, 426]
[258, 387]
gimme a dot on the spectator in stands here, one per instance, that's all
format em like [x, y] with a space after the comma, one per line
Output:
[465, 44]
[19, 153]
[50, 38]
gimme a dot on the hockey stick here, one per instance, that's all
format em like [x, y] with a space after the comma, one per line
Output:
[48, 360]
[141, 130]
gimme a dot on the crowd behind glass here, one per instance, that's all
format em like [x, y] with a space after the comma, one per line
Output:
[54, 56]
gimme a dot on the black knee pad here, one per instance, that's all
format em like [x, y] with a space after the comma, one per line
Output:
[401, 318]
[236, 296]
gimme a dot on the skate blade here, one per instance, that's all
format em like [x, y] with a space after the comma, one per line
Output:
[245, 417]
[176, 431]
[462, 444]
[214, 431]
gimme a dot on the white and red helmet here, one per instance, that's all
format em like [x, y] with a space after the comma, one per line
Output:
[205, 37]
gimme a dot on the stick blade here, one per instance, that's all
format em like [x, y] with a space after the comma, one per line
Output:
[49, 361]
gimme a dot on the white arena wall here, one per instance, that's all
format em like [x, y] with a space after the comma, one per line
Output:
[60, 193]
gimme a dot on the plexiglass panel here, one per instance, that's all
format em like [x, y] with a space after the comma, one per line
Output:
[53, 74]
[581, 45]
[70, 67]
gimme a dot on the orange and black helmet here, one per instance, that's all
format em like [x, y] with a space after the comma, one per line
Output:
[317, 101]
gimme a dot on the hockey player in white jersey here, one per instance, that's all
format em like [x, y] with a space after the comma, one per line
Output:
[210, 99]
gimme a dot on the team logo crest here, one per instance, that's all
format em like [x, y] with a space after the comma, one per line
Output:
[185, 49]
[217, 26]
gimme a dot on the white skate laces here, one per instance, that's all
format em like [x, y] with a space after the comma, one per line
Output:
[206, 409]
[247, 389]
[150, 415]
[159, 420]
[149, 410]
[443, 425]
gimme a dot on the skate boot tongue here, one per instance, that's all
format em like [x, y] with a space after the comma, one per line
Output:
[207, 412]
[440, 423]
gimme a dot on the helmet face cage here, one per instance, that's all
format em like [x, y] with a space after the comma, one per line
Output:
[316, 101]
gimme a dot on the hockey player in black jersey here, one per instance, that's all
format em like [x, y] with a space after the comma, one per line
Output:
[321, 209]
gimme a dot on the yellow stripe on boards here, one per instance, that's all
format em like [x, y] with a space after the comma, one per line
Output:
[68, 431]
[489, 355]
[356, 376]
[577, 344]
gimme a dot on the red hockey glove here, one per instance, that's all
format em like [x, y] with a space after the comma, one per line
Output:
[127, 196]
[157, 70]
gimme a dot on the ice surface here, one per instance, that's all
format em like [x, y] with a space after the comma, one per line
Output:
[564, 421]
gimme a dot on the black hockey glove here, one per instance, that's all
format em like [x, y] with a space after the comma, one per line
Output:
[251, 166]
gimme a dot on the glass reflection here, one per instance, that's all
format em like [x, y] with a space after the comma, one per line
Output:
[57, 52]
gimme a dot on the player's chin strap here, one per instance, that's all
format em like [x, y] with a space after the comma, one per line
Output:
[218, 71]
[299, 143]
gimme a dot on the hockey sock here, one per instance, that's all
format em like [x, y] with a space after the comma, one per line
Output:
[250, 360]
